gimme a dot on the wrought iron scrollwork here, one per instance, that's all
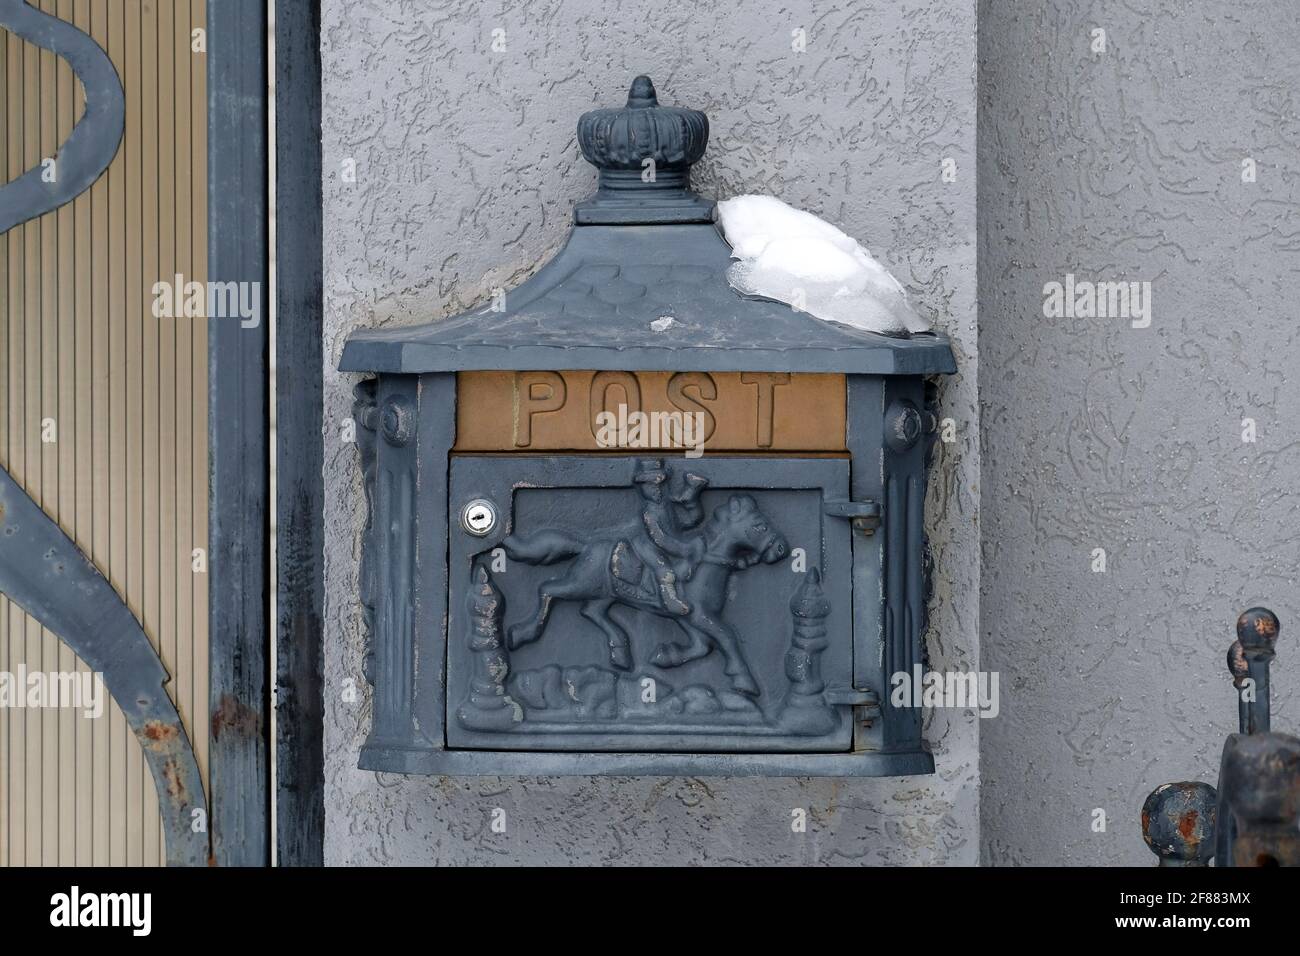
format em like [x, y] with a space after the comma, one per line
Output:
[47, 575]
[62, 589]
[93, 142]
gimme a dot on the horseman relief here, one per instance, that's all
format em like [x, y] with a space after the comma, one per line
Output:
[670, 566]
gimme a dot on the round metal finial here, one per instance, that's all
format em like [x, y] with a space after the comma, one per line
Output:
[642, 94]
[1178, 823]
[1257, 630]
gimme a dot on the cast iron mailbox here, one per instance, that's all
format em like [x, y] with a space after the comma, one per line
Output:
[625, 520]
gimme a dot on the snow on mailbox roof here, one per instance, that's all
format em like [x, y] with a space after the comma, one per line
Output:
[642, 284]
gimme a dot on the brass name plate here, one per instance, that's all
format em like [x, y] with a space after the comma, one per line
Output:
[612, 411]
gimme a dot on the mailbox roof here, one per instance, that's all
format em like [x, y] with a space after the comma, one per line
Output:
[603, 303]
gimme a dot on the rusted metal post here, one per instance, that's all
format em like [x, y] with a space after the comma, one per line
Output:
[1258, 797]
[1258, 818]
[1248, 661]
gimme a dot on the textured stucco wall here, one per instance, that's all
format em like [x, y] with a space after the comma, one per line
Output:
[1127, 164]
[467, 169]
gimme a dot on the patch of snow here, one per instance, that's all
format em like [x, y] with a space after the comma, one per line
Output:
[793, 257]
[663, 323]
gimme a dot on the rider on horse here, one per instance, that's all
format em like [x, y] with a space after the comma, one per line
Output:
[665, 517]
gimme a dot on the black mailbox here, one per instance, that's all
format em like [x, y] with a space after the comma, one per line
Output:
[626, 520]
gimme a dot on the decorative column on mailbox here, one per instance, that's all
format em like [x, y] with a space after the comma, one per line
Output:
[625, 520]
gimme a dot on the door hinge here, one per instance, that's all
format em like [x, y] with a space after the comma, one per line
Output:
[864, 515]
[853, 697]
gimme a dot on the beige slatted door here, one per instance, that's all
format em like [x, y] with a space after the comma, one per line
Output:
[126, 477]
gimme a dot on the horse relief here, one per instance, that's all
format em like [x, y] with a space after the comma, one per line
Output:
[670, 561]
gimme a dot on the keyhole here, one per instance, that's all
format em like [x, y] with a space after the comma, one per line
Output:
[479, 517]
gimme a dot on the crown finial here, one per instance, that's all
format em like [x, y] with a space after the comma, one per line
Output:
[644, 153]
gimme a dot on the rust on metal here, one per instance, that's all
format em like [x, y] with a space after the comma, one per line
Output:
[175, 785]
[1257, 629]
[107, 636]
[1238, 666]
[156, 732]
[234, 716]
[1178, 823]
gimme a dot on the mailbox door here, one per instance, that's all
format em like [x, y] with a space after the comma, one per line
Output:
[610, 603]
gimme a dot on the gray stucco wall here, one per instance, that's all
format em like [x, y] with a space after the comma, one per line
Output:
[1127, 165]
[466, 172]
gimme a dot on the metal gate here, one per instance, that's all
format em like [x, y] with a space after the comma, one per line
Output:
[107, 362]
